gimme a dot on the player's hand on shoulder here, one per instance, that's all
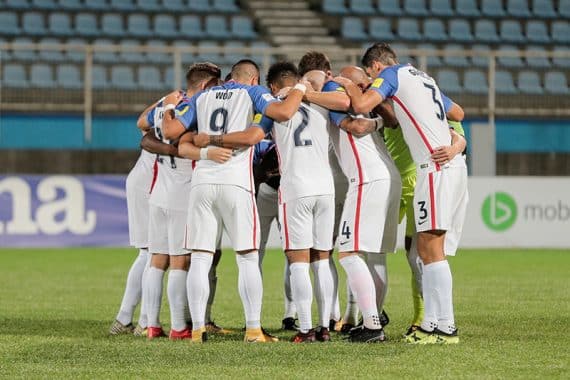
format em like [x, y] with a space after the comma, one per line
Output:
[283, 93]
[219, 155]
[201, 140]
[443, 154]
[307, 84]
[174, 97]
[344, 82]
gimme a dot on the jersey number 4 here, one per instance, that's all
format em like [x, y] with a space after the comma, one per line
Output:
[300, 128]
[434, 92]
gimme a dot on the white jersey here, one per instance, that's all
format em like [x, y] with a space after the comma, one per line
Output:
[303, 148]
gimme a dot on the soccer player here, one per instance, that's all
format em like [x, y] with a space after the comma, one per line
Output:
[440, 198]
[222, 195]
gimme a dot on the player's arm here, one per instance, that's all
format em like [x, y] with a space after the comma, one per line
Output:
[332, 96]
[172, 125]
[444, 154]
[386, 111]
[152, 144]
[235, 140]
[361, 102]
[360, 126]
[187, 149]
[455, 112]
[284, 110]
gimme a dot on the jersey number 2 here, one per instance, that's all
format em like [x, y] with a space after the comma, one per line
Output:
[299, 130]
[219, 120]
[441, 113]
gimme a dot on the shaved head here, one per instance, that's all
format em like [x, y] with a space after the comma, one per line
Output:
[246, 72]
[357, 75]
[317, 78]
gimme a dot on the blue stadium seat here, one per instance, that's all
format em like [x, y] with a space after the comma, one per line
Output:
[138, 25]
[112, 25]
[149, 5]
[362, 7]
[467, 8]
[123, 5]
[399, 49]
[191, 26]
[175, 5]
[555, 82]
[518, 8]
[199, 5]
[504, 83]
[481, 61]
[511, 31]
[69, 77]
[14, 76]
[106, 56]
[217, 27]
[529, 83]
[455, 60]
[99, 5]
[17, 4]
[538, 61]
[409, 29]
[9, 24]
[448, 81]
[390, 8]
[186, 57]
[242, 27]
[165, 26]
[536, 31]
[5, 55]
[441, 8]
[131, 56]
[434, 30]
[75, 55]
[158, 56]
[72, 5]
[561, 31]
[381, 29]
[561, 61]
[60, 24]
[353, 28]
[492, 8]
[50, 55]
[486, 31]
[543, 9]
[564, 9]
[415, 7]
[86, 24]
[24, 54]
[123, 78]
[475, 82]
[334, 7]
[509, 61]
[99, 78]
[44, 4]
[41, 76]
[210, 56]
[33, 24]
[228, 6]
[460, 30]
[148, 78]
[261, 46]
[169, 78]
[233, 56]
[432, 60]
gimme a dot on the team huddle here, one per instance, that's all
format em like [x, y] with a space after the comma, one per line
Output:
[336, 160]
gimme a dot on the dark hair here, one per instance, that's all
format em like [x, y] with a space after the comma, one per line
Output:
[314, 60]
[240, 64]
[202, 71]
[381, 52]
[281, 70]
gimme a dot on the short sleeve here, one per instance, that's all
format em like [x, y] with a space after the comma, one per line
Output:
[387, 82]
[185, 112]
[261, 98]
[457, 127]
[150, 117]
[331, 86]
[447, 103]
[262, 122]
[337, 117]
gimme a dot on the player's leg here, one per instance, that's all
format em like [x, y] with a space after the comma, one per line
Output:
[267, 202]
[340, 190]
[211, 326]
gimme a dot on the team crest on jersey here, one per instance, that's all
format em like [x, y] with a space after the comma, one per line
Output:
[182, 111]
[377, 82]
[267, 97]
[257, 118]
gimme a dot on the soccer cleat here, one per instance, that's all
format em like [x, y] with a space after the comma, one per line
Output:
[259, 336]
[335, 325]
[199, 335]
[445, 338]
[140, 331]
[365, 335]
[346, 327]
[411, 330]
[180, 335]
[117, 328]
[308, 337]
[420, 336]
[212, 328]
[155, 332]
[289, 324]
[322, 334]
[384, 319]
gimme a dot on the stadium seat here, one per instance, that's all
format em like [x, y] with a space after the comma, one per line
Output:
[210, 56]
[504, 83]
[74, 55]
[112, 25]
[441, 8]
[475, 82]
[492, 8]
[260, 47]
[362, 7]
[158, 56]
[564, 9]
[460, 30]
[138, 25]
[529, 83]
[242, 27]
[509, 61]
[169, 78]
[33, 24]
[9, 24]
[381, 29]
[148, 78]
[511, 31]
[175, 5]
[353, 28]
[5, 55]
[60, 24]
[24, 54]
[17, 4]
[561, 31]
[105, 56]
[69, 77]
[228, 6]
[122, 77]
[539, 61]
[99, 5]
[481, 61]
[86, 24]
[454, 60]
[561, 61]
[555, 82]
[122, 5]
[187, 58]
[390, 8]
[334, 7]
[536, 31]
[41, 76]
[149, 5]
[467, 8]
[99, 78]
[165, 26]
[43, 4]
[415, 7]
[233, 56]
[409, 29]
[72, 5]
[399, 49]
[518, 8]
[431, 60]
[486, 31]
[217, 27]
[543, 9]
[131, 56]
[14, 76]
[448, 81]
[51, 55]
[434, 30]
[191, 27]
[199, 5]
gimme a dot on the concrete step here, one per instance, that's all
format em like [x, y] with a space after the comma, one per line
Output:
[304, 40]
[288, 22]
[262, 13]
[287, 30]
[278, 5]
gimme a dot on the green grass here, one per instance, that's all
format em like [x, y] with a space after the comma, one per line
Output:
[512, 309]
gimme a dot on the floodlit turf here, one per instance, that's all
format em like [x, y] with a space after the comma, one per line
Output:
[512, 310]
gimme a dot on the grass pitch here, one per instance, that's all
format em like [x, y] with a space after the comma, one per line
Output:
[512, 310]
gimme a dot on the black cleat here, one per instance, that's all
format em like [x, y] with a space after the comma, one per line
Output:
[411, 330]
[345, 329]
[322, 334]
[384, 319]
[289, 324]
[366, 335]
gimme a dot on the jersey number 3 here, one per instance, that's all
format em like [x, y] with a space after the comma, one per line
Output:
[299, 129]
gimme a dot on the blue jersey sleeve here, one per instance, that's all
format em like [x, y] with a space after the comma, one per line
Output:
[185, 112]
[262, 122]
[387, 82]
[447, 103]
[261, 98]
[261, 148]
[337, 117]
[331, 86]
[150, 117]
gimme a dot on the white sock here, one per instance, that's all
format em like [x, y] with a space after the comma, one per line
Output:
[362, 285]
[213, 280]
[415, 262]
[377, 265]
[439, 286]
[290, 308]
[352, 310]
[143, 320]
[133, 288]
[154, 278]
[197, 287]
[324, 288]
[335, 311]
[177, 298]
[302, 294]
[250, 288]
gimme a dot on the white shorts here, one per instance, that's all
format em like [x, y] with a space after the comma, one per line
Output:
[364, 217]
[138, 186]
[166, 231]
[440, 203]
[214, 208]
[340, 190]
[267, 205]
[307, 222]
[390, 236]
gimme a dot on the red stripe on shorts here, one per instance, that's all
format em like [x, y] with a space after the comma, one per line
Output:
[359, 196]
[154, 175]
[432, 201]
[253, 204]
[285, 228]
